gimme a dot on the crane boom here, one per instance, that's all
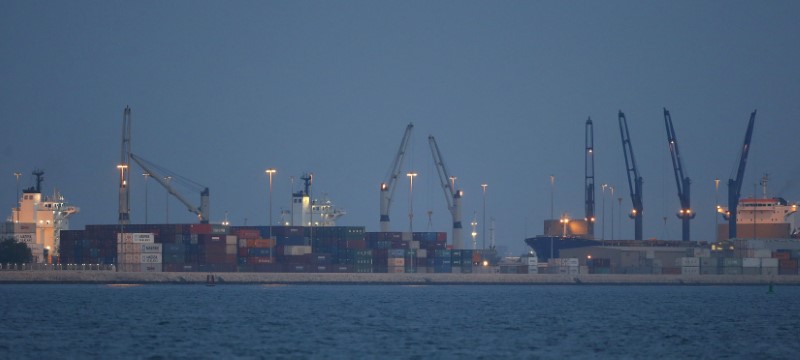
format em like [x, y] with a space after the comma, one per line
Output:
[634, 180]
[589, 180]
[202, 211]
[124, 193]
[735, 185]
[388, 186]
[683, 182]
[452, 195]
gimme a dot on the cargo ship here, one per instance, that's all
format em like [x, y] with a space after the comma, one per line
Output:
[757, 218]
[37, 220]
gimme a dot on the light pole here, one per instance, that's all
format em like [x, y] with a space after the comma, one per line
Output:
[484, 215]
[291, 200]
[552, 190]
[619, 215]
[146, 176]
[167, 179]
[17, 174]
[612, 211]
[269, 172]
[716, 206]
[603, 189]
[411, 176]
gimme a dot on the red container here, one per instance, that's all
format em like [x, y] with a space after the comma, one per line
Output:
[781, 255]
[247, 234]
[787, 264]
[200, 229]
[671, 270]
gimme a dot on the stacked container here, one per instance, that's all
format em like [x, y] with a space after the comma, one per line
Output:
[138, 252]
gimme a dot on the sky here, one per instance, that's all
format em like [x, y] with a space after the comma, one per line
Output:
[221, 91]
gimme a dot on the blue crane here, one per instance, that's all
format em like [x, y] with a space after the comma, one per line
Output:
[589, 180]
[634, 180]
[735, 185]
[684, 183]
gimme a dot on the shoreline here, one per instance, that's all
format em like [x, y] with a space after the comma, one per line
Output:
[195, 278]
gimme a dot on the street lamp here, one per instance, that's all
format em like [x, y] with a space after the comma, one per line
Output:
[716, 203]
[269, 172]
[484, 215]
[603, 189]
[612, 211]
[167, 179]
[17, 174]
[411, 176]
[146, 176]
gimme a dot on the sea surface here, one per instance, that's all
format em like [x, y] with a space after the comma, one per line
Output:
[398, 322]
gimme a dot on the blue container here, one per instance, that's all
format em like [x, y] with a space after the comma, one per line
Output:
[259, 251]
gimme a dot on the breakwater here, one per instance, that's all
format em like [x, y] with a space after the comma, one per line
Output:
[111, 277]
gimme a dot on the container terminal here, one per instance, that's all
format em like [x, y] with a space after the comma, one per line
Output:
[759, 238]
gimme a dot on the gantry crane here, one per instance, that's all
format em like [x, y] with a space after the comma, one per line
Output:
[735, 185]
[452, 195]
[202, 211]
[388, 186]
[684, 183]
[589, 180]
[634, 180]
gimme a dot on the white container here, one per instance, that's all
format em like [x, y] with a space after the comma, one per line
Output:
[533, 269]
[690, 270]
[25, 238]
[751, 262]
[135, 238]
[150, 258]
[422, 253]
[414, 244]
[529, 260]
[131, 258]
[572, 262]
[688, 262]
[150, 267]
[573, 270]
[296, 250]
[230, 240]
[762, 253]
[230, 249]
[407, 236]
[700, 252]
[150, 248]
[769, 262]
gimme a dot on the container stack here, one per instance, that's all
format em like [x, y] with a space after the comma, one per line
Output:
[569, 266]
[138, 252]
[689, 265]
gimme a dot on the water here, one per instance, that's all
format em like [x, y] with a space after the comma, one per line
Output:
[386, 321]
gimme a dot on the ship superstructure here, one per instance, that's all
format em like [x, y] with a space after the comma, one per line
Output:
[308, 212]
[38, 220]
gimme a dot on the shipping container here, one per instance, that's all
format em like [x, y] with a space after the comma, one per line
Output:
[769, 270]
[688, 262]
[731, 262]
[769, 262]
[690, 270]
[751, 263]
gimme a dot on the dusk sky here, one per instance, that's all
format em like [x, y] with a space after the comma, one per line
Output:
[220, 91]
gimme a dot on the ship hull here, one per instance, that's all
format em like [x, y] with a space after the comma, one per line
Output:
[543, 245]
